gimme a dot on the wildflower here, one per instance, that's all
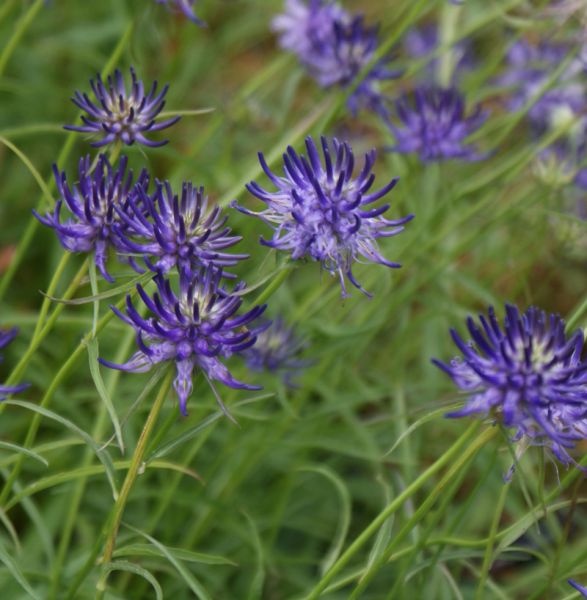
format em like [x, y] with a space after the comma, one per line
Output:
[177, 231]
[578, 587]
[195, 328]
[322, 212]
[96, 203]
[119, 115]
[528, 374]
[5, 390]
[433, 124]
[335, 47]
[277, 350]
[530, 69]
[186, 7]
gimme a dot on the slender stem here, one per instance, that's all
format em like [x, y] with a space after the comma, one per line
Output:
[39, 336]
[372, 529]
[50, 292]
[275, 284]
[19, 31]
[135, 466]
[460, 461]
[488, 558]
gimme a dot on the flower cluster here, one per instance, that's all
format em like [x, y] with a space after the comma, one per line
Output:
[5, 390]
[185, 7]
[176, 231]
[194, 328]
[434, 125]
[121, 115]
[336, 47]
[321, 211]
[527, 373]
[95, 203]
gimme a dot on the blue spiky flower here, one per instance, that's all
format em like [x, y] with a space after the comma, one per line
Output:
[336, 47]
[433, 124]
[121, 115]
[322, 211]
[195, 329]
[528, 374]
[5, 390]
[95, 203]
[178, 231]
[185, 7]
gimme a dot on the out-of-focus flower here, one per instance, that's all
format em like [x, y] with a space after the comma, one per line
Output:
[5, 390]
[434, 125]
[177, 231]
[578, 587]
[195, 329]
[121, 115]
[530, 68]
[421, 42]
[321, 211]
[527, 374]
[186, 7]
[335, 47]
[96, 202]
[277, 350]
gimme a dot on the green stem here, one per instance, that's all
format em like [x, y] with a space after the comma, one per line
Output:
[51, 292]
[6, 8]
[275, 284]
[20, 29]
[55, 383]
[40, 335]
[460, 460]
[115, 518]
[488, 557]
[372, 529]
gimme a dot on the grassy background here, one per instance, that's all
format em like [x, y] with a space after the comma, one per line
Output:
[261, 510]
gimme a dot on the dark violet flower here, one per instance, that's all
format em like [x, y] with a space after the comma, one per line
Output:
[5, 390]
[195, 328]
[186, 7]
[277, 350]
[530, 68]
[528, 374]
[323, 212]
[578, 587]
[96, 203]
[119, 115]
[335, 47]
[433, 124]
[177, 231]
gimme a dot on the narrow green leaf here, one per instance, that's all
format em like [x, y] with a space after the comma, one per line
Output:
[191, 581]
[25, 451]
[179, 553]
[102, 391]
[15, 571]
[122, 565]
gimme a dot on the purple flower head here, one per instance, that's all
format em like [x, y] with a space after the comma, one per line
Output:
[335, 47]
[177, 231]
[95, 203]
[277, 350]
[528, 374]
[195, 328]
[530, 68]
[433, 124]
[578, 587]
[119, 115]
[186, 7]
[5, 390]
[321, 211]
